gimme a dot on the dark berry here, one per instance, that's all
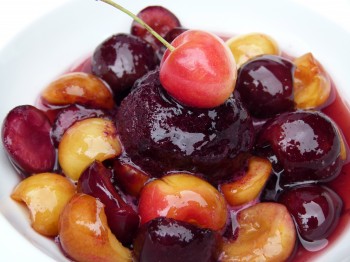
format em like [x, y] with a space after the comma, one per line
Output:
[265, 84]
[160, 19]
[26, 139]
[122, 219]
[306, 145]
[68, 116]
[315, 209]
[121, 60]
[166, 239]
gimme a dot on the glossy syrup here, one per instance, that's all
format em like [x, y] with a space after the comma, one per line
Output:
[339, 111]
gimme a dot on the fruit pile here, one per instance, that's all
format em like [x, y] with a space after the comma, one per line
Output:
[202, 151]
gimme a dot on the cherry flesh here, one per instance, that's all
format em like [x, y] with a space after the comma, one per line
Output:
[26, 139]
[166, 239]
[315, 209]
[122, 219]
[160, 135]
[304, 146]
[68, 116]
[121, 59]
[265, 84]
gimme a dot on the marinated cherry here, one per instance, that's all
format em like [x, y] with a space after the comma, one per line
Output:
[160, 135]
[312, 84]
[249, 186]
[315, 209]
[129, 178]
[159, 19]
[265, 84]
[26, 139]
[306, 144]
[122, 219]
[183, 197]
[84, 233]
[45, 195]
[166, 239]
[78, 88]
[71, 114]
[121, 59]
[247, 46]
[86, 141]
[265, 233]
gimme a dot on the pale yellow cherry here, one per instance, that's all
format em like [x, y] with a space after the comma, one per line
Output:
[86, 141]
[312, 85]
[247, 46]
[81, 88]
[45, 195]
[249, 186]
[85, 235]
[266, 232]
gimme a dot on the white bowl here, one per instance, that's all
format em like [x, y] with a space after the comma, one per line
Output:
[49, 46]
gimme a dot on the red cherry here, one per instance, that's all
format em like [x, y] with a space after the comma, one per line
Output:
[200, 71]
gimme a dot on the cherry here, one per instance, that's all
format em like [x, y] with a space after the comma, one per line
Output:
[315, 209]
[306, 146]
[197, 69]
[166, 239]
[121, 59]
[265, 84]
[200, 72]
[157, 17]
[122, 219]
[26, 139]
[68, 116]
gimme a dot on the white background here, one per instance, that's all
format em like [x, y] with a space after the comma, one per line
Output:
[16, 14]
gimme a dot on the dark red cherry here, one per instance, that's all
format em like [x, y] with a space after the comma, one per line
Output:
[68, 116]
[265, 84]
[315, 209]
[121, 59]
[26, 139]
[160, 19]
[122, 219]
[306, 146]
[166, 239]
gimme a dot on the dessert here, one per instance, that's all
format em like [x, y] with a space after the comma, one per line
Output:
[157, 174]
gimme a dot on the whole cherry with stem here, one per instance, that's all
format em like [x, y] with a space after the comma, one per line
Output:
[197, 69]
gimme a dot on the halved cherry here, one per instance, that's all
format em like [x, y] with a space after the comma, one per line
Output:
[26, 139]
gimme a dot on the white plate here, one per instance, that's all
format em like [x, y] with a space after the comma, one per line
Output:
[52, 44]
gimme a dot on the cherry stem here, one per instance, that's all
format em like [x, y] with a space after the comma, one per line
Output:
[146, 26]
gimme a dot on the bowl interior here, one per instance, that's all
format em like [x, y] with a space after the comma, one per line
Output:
[69, 34]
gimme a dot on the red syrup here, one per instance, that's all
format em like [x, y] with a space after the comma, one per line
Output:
[337, 110]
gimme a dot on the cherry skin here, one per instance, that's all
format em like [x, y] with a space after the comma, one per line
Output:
[122, 219]
[160, 19]
[200, 71]
[315, 209]
[306, 144]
